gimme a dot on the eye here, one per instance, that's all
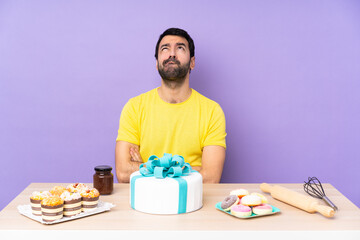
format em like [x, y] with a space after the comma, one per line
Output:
[181, 47]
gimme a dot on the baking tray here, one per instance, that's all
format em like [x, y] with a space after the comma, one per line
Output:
[274, 211]
[102, 207]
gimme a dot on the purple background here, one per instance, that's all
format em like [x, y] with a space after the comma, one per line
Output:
[286, 74]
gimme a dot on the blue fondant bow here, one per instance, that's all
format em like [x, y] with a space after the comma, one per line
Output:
[167, 166]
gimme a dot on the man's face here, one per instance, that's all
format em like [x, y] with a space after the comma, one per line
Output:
[174, 60]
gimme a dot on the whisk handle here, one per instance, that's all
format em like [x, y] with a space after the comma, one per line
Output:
[330, 203]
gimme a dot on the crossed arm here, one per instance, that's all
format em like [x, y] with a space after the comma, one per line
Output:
[128, 160]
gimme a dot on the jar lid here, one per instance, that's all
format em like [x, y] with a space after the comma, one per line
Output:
[103, 168]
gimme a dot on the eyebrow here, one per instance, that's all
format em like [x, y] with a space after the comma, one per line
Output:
[177, 44]
[164, 45]
[180, 44]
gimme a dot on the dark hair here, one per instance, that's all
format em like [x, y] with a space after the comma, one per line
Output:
[176, 32]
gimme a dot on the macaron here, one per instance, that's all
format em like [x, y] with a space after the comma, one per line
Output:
[262, 209]
[241, 211]
[251, 200]
[239, 192]
[263, 198]
[229, 201]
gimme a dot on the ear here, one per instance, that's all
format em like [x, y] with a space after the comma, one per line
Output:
[192, 63]
[157, 65]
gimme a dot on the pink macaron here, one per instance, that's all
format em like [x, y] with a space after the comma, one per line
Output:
[241, 211]
[262, 209]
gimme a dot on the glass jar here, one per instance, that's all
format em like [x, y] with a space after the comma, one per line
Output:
[103, 179]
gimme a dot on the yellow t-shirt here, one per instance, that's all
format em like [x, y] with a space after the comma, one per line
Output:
[184, 128]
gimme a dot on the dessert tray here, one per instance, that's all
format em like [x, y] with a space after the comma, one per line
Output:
[102, 207]
[274, 210]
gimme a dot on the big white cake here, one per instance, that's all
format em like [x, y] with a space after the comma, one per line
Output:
[168, 195]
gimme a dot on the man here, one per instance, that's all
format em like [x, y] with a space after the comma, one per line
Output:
[172, 118]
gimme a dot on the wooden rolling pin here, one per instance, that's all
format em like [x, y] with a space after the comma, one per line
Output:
[296, 199]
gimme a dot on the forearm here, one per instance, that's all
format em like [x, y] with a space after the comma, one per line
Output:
[124, 164]
[208, 177]
[213, 159]
[124, 170]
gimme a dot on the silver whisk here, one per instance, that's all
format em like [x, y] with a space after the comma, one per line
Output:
[314, 188]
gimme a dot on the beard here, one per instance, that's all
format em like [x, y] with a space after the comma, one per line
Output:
[175, 73]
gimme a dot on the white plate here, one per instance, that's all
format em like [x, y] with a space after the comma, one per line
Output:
[102, 207]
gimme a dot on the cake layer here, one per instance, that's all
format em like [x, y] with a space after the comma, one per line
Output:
[72, 205]
[74, 201]
[87, 199]
[52, 207]
[72, 212]
[36, 208]
[89, 206]
[35, 201]
[167, 195]
[72, 209]
[91, 203]
[86, 209]
[35, 205]
[52, 211]
[36, 212]
[51, 218]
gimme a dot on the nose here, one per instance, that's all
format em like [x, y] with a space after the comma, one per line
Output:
[172, 53]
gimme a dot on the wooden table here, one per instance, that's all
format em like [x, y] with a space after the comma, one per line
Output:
[124, 221]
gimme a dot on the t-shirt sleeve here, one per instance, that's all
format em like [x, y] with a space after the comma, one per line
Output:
[128, 124]
[217, 128]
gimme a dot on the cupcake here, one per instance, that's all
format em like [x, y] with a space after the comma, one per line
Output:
[76, 187]
[35, 200]
[90, 199]
[57, 190]
[52, 208]
[72, 203]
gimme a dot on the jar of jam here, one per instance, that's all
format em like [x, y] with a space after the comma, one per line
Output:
[103, 179]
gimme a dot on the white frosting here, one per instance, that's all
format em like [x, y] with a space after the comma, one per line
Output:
[161, 196]
[68, 196]
[79, 187]
[43, 194]
[251, 200]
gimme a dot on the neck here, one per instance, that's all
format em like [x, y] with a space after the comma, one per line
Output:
[172, 92]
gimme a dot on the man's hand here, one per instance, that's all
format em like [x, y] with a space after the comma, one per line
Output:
[135, 154]
[127, 160]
